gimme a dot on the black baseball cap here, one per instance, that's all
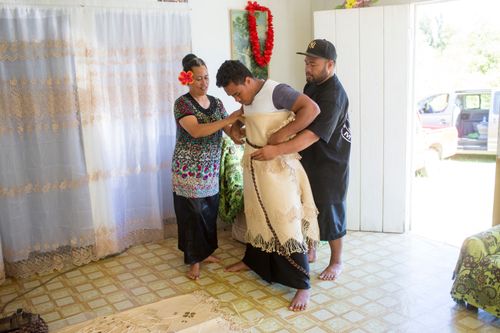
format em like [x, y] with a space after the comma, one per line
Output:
[321, 48]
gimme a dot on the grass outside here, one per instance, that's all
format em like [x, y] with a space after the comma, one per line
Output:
[456, 201]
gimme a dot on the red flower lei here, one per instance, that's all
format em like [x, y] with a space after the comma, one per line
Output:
[261, 59]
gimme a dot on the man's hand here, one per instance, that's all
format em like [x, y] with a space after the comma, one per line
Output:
[265, 153]
[277, 138]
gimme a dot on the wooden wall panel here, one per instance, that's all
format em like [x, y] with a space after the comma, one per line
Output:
[397, 118]
[372, 117]
[373, 64]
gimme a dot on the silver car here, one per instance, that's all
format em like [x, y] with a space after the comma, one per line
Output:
[474, 113]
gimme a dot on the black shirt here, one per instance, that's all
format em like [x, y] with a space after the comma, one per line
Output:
[326, 162]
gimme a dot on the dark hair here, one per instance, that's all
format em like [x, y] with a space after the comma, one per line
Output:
[232, 71]
[190, 60]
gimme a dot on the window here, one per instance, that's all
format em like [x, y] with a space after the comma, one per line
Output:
[486, 101]
[437, 103]
[477, 101]
[471, 102]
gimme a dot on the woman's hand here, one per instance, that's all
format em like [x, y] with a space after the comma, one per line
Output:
[235, 130]
[235, 116]
[236, 133]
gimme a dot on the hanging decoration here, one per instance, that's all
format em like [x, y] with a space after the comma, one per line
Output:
[261, 58]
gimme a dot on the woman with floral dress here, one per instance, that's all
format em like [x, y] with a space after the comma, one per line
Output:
[200, 119]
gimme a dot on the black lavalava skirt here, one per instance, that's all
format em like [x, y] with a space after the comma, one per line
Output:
[196, 226]
[273, 267]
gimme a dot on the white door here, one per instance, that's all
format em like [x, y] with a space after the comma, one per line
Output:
[373, 64]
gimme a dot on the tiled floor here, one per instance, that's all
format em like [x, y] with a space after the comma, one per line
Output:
[391, 283]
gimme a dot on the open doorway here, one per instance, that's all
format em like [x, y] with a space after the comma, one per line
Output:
[456, 81]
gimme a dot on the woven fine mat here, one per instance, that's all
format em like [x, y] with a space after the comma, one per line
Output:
[184, 313]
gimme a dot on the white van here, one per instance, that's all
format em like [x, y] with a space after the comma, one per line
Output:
[474, 113]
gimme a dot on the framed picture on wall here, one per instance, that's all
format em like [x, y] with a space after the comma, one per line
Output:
[240, 43]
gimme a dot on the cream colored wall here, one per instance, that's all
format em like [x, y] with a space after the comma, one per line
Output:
[210, 28]
[293, 32]
[210, 31]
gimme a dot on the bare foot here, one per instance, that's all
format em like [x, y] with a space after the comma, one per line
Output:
[300, 300]
[211, 259]
[238, 267]
[331, 273]
[311, 254]
[194, 271]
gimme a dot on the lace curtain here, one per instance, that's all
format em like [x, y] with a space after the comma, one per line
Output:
[86, 131]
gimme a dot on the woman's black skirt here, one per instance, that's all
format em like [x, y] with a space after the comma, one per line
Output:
[196, 226]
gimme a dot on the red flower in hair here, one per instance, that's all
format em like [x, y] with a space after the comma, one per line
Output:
[186, 78]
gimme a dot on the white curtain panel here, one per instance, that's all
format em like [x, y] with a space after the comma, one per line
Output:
[86, 131]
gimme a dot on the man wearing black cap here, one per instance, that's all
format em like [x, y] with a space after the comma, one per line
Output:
[325, 147]
[326, 160]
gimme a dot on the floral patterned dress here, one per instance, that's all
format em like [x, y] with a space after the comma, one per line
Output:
[195, 179]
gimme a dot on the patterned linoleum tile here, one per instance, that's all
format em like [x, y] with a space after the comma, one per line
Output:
[389, 284]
